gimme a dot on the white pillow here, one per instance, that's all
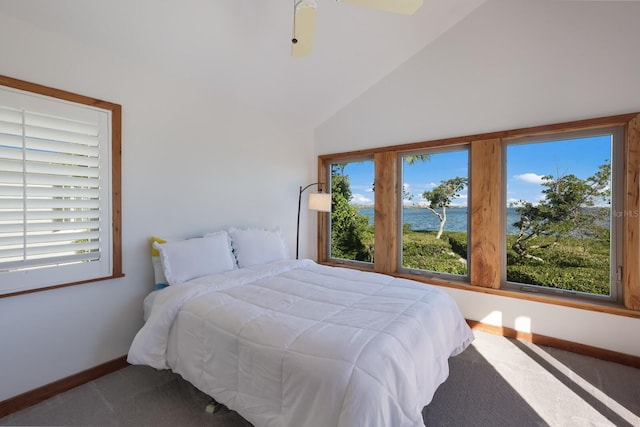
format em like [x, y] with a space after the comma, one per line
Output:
[257, 246]
[187, 259]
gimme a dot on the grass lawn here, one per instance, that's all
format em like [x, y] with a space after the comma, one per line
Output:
[572, 264]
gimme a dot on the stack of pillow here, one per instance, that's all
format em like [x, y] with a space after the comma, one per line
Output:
[182, 260]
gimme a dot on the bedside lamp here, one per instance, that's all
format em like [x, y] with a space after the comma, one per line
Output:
[320, 202]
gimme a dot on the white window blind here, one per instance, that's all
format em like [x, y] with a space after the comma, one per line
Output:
[55, 216]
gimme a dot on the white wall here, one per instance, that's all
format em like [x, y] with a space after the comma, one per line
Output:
[510, 64]
[192, 163]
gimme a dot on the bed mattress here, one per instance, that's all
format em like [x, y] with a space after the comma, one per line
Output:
[294, 343]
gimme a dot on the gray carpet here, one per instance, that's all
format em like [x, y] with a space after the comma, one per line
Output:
[495, 382]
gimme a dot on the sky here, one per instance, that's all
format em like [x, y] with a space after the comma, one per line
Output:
[526, 165]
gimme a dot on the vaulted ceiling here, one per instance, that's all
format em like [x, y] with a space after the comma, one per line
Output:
[241, 48]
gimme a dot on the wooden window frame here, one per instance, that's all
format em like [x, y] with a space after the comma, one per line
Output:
[486, 176]
[116, 172]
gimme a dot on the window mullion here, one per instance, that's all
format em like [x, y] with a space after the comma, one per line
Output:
[630, 221]
[485, 258]
[386, 213]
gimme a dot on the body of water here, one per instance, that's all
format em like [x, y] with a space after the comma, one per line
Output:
[424, 219]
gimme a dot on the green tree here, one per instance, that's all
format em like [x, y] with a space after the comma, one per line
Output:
[351, 235]
[571, 206]
[414, 158]
[441, 196]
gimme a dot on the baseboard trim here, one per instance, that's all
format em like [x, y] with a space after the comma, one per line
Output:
[586, 350]
[40, 394]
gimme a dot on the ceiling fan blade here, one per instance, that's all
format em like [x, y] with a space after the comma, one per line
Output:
[304, 23]
[406, 7]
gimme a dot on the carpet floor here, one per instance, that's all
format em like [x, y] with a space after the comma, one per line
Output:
[496, 382]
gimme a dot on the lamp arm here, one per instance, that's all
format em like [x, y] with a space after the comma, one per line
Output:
[319, 184]
[302, 190]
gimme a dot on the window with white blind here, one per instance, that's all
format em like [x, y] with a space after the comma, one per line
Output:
[58, 217]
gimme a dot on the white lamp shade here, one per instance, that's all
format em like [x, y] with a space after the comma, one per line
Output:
[320, 202]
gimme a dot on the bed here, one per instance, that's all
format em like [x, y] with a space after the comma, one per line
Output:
[295, 343]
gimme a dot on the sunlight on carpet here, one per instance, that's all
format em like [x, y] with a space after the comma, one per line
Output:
[563, 388]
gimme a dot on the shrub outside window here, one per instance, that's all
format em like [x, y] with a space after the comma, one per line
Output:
[352, 211]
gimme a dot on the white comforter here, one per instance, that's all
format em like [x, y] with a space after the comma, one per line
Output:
[297, 344]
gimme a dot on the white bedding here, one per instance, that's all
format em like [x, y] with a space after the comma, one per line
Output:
[293, 343]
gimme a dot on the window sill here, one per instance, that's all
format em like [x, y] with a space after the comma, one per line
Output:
[565, 301]
[63, 285]
[356, 265]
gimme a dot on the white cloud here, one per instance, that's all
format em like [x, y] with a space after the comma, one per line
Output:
[420, 201]
[530, 177]
[359, 199]
[460, 201]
